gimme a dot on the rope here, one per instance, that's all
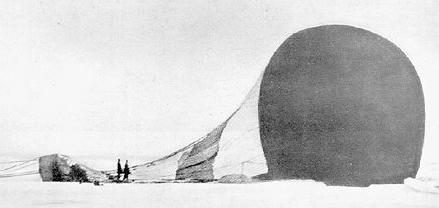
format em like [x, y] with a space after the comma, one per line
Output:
[25, 166]
[232, 164]
[27, 161]
[17, 161]
[231, 141]
[19, 174]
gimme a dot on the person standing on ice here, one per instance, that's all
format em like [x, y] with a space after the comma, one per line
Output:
[126, 171]
[119, 169]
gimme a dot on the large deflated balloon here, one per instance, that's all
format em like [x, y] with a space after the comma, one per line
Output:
[341, 105]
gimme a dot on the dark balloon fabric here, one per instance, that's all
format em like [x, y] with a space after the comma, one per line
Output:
[341, 105]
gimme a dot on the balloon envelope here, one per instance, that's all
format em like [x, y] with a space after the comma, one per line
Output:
[341, 105]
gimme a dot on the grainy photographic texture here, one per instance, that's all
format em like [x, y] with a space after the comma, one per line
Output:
[342, 105]
[219, 103]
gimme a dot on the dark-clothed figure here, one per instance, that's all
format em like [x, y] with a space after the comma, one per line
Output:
[126, 171]
[119, 169]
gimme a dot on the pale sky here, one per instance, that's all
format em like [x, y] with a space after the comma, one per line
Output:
[141, 78]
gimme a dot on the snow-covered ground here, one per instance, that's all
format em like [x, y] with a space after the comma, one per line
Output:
[29, 192]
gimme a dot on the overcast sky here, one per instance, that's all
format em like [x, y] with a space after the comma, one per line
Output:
[112, 78]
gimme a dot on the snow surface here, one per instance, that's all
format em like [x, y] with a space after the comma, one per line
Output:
[30, 192]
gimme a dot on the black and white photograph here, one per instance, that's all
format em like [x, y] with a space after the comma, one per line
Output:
[219, 103]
